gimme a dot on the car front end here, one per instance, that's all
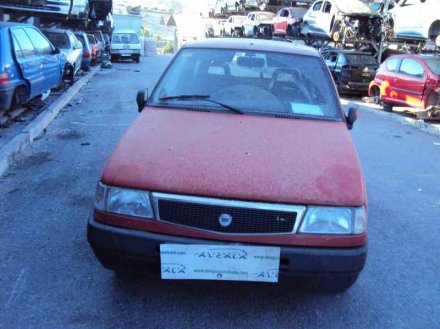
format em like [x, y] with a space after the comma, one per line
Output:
[202, 178]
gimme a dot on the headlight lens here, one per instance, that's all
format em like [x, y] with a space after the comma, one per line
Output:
[334, 220]
[123, 201]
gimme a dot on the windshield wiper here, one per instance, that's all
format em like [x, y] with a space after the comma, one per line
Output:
[202, 97]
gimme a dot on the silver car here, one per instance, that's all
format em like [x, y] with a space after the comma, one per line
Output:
[67, 42]
[416, 19]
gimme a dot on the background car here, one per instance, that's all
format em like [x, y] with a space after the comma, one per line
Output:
[416, 19]
[67, 42]
[342, 19]
[232, 27]
[29, 64]
[73, 9]
[258, 23]
[407, 80]
[226, 6]
[86, 60]
[125, 45]
[288, 21]
[96, 49]
[351, 71]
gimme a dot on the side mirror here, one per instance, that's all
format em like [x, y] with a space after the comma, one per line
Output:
[56, 50]
[352, 116]
[141, 99]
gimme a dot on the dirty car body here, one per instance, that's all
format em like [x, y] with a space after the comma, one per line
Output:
[258, 136]
[342, 21]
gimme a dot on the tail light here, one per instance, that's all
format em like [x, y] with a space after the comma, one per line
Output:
[86, 54]
[4, 78]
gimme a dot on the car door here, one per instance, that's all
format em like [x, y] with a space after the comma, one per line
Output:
[410, 82]
[280, 24]
[31, 64]
[331, 60]
[325, 19]
[51, 62]
[76, 50]
[313, 17]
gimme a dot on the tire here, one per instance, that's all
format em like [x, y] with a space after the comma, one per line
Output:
[137, 59]
[19, 98]
[375, 93]
[387, 107]
[437, 41]
[256, 32]
[432, 105]
[336, 32]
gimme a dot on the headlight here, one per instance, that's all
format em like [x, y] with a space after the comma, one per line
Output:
[123, 201]
[334, 220]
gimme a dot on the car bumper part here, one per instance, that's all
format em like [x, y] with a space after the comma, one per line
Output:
[141, 246]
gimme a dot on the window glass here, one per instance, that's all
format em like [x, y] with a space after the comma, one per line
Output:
[298, 13]
[434, 65]
[392, 64]
[125, 38]
[17, 49]
[60, 40]
[25, 43]
[360, 59]
[327, 7]
[265, 16]
[411, 67]
[317, 6]
[41, 44]
[257, 82]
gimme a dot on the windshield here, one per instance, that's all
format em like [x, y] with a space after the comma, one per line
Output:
[360, 59]
[265, 16]
[434, 64]
[59, 40]
[125, 38]
[256, 82]
[298, 12]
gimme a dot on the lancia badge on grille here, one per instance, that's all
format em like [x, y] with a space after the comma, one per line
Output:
[225, 220]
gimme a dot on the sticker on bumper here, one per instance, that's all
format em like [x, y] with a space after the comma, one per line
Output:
[219, 262]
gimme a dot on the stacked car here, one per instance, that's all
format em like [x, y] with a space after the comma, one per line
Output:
[30, 65]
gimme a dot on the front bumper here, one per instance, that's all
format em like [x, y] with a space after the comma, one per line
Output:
[354, 86]
[117, 56]
[140, 246]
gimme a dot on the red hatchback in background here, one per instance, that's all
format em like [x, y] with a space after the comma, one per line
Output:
[288, 21]
[408, 80]
[96, 48]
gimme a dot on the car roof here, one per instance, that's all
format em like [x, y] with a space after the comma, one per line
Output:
[55, 30]
[13, 24]
[254, 44]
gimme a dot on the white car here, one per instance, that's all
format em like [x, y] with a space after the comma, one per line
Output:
[233, 25]
[125, 45]
[258, 23]
[341, 20]
[417, 19]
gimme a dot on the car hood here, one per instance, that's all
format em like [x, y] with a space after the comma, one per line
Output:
[238, 157]
[354, 7]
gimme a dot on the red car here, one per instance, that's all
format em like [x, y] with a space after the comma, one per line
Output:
[231, 174]
[407, 80]
[288, 21]
[96, 48]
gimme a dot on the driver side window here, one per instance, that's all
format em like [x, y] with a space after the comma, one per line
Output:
[317, 6]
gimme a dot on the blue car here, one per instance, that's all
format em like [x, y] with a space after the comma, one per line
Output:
[29, 64]
[86, 61]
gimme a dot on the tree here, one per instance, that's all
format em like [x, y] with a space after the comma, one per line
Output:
[168, 49]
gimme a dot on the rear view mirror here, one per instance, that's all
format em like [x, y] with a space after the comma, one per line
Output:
[248, 61]
[352, 116]
[141, 99]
